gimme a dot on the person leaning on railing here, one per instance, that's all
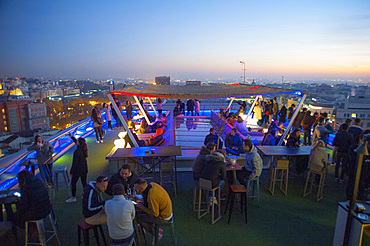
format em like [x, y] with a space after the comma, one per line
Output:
[44, 157]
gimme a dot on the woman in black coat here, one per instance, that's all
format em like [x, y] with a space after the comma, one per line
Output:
[34, 203]
[79, 166]
[283, 112]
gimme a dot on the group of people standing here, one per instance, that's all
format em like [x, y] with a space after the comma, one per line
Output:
[192, 107]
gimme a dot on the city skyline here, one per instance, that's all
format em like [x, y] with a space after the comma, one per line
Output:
[186, 40]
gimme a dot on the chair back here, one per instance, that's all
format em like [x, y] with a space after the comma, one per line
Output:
[205, 184]
[317, 168]
[282, 164]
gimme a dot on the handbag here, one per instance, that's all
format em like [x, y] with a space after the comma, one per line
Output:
[100, 121]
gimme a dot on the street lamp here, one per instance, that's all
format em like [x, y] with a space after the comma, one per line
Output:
[242, 62]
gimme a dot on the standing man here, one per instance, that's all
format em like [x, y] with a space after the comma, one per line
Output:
[93, 202]
[343, 140]
[254, 164]
[356, 128]
[322, 131]
[190, 106]
[120, 214]
[156, 206]
[290, 111]
[307, 123]
[275, 109]
[125, 177]
[298, 120]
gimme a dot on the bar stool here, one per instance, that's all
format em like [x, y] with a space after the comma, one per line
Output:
[237, 189]
[167, 174]
[196, 191]
[41, 231]
[255, 188]
[206, 187]
[85, 228]
[63, 171]
[283, 166]
[316, 170]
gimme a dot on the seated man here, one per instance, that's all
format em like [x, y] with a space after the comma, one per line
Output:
[120, 214]
[156, 138]
[215, 169]
[200, 160]
[254, 164]
[125, 177]
[213, 138]
[233, 143]
[156, 205]
[93, 202]
[34, 203]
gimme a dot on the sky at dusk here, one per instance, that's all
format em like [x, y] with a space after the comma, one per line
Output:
[185, 39]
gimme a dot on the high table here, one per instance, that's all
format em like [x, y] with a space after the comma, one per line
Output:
[280, 151]
[159, 153]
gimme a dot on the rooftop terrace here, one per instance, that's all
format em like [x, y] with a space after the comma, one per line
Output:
[279, 220]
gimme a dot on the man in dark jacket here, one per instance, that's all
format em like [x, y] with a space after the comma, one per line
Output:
[123, 176]
[290, 111]
[343, 140]
[234, 142]
[93, 202]
[199, 161]
[356, 128]
[215, 169]
[177, 110]
[190, 106]
[212, 137]
[34, 203]
[299, 118]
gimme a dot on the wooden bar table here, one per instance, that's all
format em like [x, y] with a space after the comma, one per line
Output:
[159, 153]
[280, 151]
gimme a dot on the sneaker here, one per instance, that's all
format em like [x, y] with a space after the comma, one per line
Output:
[97, 141]
[340, 181]
[71, 200]
[109, 130]
[336, 179]
[101, 141]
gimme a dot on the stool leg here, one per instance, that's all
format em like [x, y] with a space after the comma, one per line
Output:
[95, 229]
[102, 234]
[231, 206]
[54, 228]
[79, 235]
[194, 197]
[213, 207]
[26, 233]
[199, 202]
[56, 187]
[174, 239]
[228, 200]
[245, 206]
[86, 238]
[41, 231]
[305, 187]
[241, 203]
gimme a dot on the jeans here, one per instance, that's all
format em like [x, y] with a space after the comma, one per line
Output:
[344, 157]
[74, 182]
[98, 133]
[307, 136]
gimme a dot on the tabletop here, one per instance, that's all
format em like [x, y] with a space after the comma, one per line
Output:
[284, 150]
[149, 151]
[233, 167]
[9, 200]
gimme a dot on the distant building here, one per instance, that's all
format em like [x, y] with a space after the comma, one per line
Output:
[37, 116]
[163, 80]
[22, 115]
[355, 107]
[193, 82]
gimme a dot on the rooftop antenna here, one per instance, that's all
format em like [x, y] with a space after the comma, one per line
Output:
[242, 62]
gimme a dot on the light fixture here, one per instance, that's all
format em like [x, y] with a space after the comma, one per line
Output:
[122, 135]
[120, 143]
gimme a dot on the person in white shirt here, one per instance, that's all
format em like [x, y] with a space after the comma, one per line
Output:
[120, 214]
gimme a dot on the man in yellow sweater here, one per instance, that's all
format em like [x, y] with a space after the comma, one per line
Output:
[156, 205]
